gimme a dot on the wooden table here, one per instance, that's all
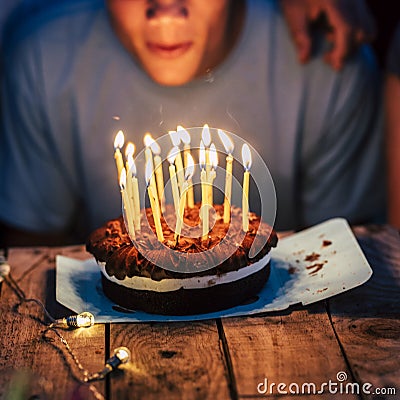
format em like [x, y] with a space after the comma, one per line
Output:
[357, 333]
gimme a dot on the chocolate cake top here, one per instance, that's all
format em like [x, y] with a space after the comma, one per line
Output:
[226, 249]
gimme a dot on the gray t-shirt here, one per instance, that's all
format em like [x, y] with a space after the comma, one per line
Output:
[67, 76]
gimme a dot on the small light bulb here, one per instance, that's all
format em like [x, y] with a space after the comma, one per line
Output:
[82, 320]
[4, 268]
[121, 356]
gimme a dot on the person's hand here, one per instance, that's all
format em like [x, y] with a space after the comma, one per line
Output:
[350, 24]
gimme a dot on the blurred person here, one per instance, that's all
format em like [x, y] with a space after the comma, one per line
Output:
[159, 63]
[346, 25]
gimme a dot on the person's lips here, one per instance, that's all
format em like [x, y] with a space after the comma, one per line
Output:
[169, 50]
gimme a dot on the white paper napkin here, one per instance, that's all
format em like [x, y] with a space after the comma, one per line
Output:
[308, 266]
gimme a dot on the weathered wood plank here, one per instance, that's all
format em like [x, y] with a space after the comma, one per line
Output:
[201, 360]
[367, 319]
[297, 347]
[25, 357]
[173, 361]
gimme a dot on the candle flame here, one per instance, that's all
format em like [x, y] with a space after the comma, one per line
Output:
[122, 179]
[246, 156]
[150, 142]
[202, 155]
[213, 156]
[147, 139]
[129, 150]
[226, 141]
[189, 171]
[205, 135]
[132, 166]
[172, 154]
[148, 171]
[183, 134]
[175, 138]
[119, 140]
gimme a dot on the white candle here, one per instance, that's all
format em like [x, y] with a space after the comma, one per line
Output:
[129, 150]
[246, 158]
[185, 138]
[204, 204]
[129, 186]
[204, 193]
[188, 175]
[118, 144]
[212, 174]
[172, 174]
[135, 193]
[126, 204]
[155, 206]
[206, 138]
[228, 145]
[175, 138]
[148, 140]
[156, 149]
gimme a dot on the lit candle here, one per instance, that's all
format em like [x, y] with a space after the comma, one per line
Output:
[176, 140]
[206, 138]
[204, 192]
[135, 194]
[185, 138]
[126, 204]
[212, 174]
[155, 207]
[129, 150]
[172, 175]
[156, 149]
[148, 140]
[228, 144]
[118, 144]
[189, 170]
[246, 158]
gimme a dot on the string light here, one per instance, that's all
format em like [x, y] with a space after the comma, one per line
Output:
[121, 356]
[85, 319]
[4, 268]
[82, 320]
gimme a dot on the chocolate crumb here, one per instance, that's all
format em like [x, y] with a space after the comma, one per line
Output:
[317, 267]
[312, 257]
[322, 290]
[292, 270]
[326, 243]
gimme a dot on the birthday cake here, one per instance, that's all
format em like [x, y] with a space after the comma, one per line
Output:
[191, 275]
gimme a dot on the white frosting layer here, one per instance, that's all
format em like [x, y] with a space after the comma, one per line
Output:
[200, 282]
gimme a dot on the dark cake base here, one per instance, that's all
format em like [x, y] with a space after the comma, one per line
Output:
[188, 301]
